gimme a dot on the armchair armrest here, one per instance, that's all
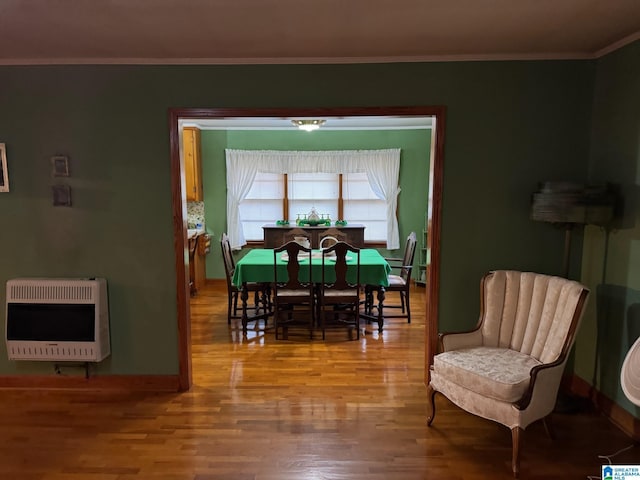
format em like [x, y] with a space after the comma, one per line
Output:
[544, 385]
[456, 340]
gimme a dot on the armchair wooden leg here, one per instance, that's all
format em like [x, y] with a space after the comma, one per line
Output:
[516, 433]
[431, 399]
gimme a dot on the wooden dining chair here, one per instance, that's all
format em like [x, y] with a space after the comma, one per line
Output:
[338, 293]
[331, 236]
[291, 235]
[399, 281]
[261, 291]
[293, 292]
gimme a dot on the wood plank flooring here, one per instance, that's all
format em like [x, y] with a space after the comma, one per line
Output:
[298, 409]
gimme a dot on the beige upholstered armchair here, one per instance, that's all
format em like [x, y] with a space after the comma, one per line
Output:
[509, 368]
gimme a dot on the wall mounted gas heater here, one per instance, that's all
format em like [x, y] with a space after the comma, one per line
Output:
[57, 319]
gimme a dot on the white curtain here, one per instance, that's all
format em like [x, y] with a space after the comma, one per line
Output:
[383, 179]
[381, 166]
[240, 176]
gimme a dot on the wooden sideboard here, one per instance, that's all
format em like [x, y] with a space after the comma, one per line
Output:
[276, 235]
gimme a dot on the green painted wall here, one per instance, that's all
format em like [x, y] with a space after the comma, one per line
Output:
[414, 170]
[611, 259]
[509, 125]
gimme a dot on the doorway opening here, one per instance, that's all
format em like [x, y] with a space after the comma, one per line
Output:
[433, 208]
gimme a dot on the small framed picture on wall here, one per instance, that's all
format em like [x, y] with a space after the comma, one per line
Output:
[60, 166]
[4, 174]
[61, 195]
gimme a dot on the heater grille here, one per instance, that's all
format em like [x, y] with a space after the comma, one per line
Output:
[54, 291]
[52, 352]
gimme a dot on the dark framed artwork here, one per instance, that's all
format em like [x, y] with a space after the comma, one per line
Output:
[4, 173]
[60, 166]
[61, 195]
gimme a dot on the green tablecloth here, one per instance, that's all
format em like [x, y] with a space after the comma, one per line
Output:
[257, 266]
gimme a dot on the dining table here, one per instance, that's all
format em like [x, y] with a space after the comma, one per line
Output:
[258, 266]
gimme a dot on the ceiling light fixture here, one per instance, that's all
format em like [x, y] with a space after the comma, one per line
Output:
[308, 125]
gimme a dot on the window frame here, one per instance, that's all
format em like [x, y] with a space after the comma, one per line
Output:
[285, 209]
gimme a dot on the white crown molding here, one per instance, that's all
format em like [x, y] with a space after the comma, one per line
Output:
[293, 60]
[328, 60]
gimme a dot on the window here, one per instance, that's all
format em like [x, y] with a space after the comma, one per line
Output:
[361, 205]
[331, 180]
[313, 190]
[265, 202]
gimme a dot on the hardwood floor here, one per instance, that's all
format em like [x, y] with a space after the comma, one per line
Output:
[287, 410]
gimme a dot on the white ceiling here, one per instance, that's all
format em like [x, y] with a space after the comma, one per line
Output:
[307, 31]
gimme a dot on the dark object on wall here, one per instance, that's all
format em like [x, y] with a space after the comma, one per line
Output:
[60, 166]
[61, 195]
[4, 175]
[569, 204]
[566, 202]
